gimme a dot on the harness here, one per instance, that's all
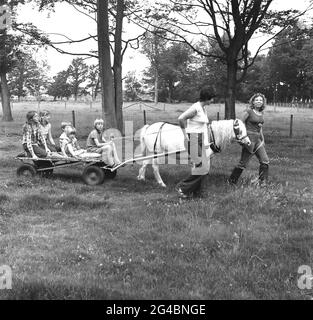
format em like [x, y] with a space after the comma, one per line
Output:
[214, 147]
[159, 135]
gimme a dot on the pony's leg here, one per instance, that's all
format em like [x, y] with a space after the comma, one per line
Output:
[156, 172]
[142, 170]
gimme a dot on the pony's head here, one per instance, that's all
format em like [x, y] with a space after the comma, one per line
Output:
[241, 132]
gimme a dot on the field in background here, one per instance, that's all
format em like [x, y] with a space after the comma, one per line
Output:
[277, 118]
[129, 239]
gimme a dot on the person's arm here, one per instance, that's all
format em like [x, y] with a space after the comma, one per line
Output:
[43, 141]
[245, 116]
[261, 132]
[50, 138]
[71, 150]
[98, 144]
[75, 143]
[29, 142]
[188, 114]
[63, 144]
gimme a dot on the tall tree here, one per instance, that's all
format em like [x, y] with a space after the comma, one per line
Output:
[27, 74]
[214, 19]
[60, 87]
[110, 16]
[174, 63]
[12, 40]
[77, 74]
[106, 76]
[290, 67]
[132, 87]
[93, 80]
[4, 62]
[153, 45]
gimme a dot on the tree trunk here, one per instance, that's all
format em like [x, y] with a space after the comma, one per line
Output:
[231, 90]
[105, 72]
[170, 92]
[96, 90]
[21, 82]
[5, 94]
[117, 66]
[156, 85]
[5, 98]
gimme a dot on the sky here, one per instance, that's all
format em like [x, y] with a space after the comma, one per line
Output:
[73, 24]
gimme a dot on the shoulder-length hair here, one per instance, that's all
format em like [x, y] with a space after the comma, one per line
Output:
[43, 114]
[30, 116]
[255, 96]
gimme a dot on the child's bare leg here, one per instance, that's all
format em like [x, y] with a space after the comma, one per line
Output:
[116, 158]
[107, 155]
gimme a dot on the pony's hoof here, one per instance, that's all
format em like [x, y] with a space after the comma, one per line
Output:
[140, 178]
[163, 185]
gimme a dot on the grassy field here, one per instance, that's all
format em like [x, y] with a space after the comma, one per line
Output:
[133, 240]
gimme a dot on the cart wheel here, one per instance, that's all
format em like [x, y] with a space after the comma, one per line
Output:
[93, 175]
[108, 174]
[26, 170]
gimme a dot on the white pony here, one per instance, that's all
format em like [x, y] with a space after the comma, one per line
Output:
[162, 137]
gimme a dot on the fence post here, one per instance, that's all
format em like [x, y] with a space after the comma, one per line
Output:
[144, 117]
[218, 116]
[73, 118]
[90, 105]
[291, 125]
[65, 104]
[164, 107]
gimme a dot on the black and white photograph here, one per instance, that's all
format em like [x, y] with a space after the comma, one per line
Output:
[156, 151]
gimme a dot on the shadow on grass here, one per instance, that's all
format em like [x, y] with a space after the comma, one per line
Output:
[56, 291]
[40, 202]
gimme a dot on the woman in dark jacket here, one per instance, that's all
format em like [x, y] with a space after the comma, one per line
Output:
[254, 120]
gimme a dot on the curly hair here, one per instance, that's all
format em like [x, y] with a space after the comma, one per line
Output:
[255, 96]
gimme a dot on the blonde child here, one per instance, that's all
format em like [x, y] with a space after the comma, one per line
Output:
[97, 143]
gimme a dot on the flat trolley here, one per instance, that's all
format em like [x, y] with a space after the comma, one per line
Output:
[94, 173]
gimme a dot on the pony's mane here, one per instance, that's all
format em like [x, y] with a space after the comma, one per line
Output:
[223, 132]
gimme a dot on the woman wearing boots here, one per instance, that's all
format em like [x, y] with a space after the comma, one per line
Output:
[196, 118]
[254, 119]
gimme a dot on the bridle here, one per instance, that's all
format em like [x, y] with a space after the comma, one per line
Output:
[217, 149]
[213, 146]
[237, 132]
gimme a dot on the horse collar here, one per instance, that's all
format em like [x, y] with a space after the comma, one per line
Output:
[213, 146]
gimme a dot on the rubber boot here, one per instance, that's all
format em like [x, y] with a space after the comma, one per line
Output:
[235, 175]
[263, 173]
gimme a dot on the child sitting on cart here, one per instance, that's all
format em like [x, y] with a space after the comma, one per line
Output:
[45, 127]
[97, 143]
[64, 139]
[33, 141]
[72, 149]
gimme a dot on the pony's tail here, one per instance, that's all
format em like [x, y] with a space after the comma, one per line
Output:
[142, 139]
